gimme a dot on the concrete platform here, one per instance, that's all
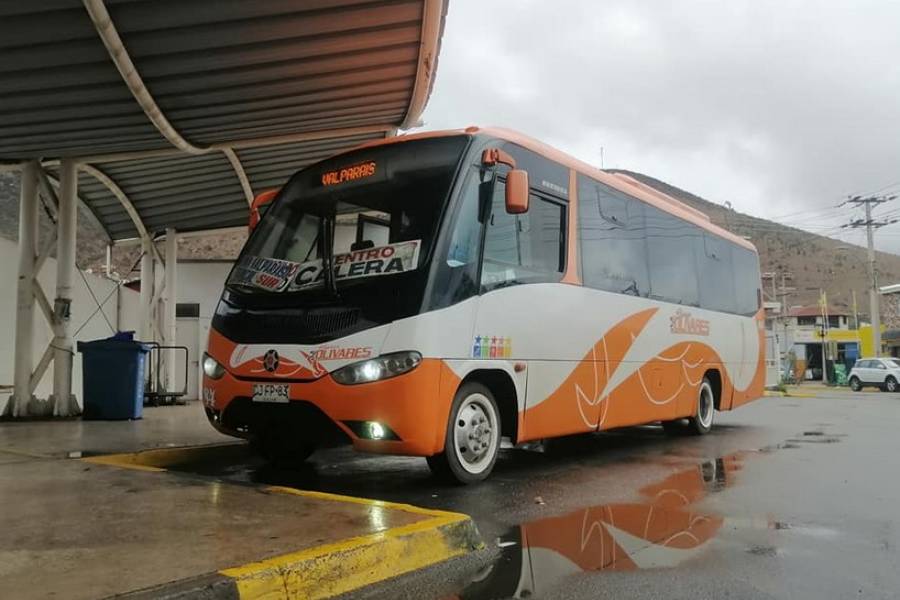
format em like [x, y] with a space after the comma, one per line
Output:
[103, 526]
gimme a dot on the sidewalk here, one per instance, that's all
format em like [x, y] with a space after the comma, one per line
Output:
[811, 390]
[106, 525]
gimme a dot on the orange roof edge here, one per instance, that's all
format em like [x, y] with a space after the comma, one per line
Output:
[633, 188]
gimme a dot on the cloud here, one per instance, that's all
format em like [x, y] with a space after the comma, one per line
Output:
[773, 106]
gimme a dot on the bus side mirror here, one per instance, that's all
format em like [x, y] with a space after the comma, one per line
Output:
[260, 205]
[517, 192]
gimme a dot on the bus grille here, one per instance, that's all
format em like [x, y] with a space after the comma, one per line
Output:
[324, 322]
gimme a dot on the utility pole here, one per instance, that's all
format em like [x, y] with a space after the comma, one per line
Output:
[871, 226]
[823, 303]
[779, 325]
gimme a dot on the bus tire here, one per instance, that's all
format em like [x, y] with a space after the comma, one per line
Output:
[281, 453]
[676, 427]
[702, 421]
[472, 440]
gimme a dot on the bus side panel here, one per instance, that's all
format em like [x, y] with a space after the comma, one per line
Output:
[757, 364]
[579, 403]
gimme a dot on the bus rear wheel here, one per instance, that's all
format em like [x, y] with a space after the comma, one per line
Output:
[472, 440]
[702, 421]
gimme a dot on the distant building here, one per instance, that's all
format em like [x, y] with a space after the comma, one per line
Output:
[890, 318]
[804, 328]
[809, 318]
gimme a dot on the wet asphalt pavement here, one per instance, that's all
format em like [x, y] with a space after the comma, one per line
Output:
[787, 498]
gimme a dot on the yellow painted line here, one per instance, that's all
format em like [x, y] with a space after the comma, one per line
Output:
[416, 510]
[332, 569]
[789, 394]
[339, 567]
[156, 460]
[121, 461]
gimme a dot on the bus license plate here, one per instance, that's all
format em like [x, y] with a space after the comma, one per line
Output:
[271, 392]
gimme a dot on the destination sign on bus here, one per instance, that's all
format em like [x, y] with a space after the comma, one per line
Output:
[383, 260]
[276, 275]
[352, 173]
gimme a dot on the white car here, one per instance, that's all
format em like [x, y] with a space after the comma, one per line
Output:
[883, 373]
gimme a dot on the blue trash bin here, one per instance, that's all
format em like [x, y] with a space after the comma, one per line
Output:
[113, 375]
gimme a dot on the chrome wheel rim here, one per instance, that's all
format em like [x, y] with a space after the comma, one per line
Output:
[705, 406]
[891, 385]
[475, 433]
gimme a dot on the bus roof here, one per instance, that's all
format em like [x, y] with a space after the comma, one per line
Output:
[623, 183]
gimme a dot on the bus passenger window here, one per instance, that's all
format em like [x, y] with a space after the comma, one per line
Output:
[613, 250]
[671, 247]
[746, 280]
[526, 248]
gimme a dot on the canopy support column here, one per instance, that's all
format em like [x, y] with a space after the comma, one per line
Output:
[28, 242]
[146, 299]
[63, 400]
[171, 299]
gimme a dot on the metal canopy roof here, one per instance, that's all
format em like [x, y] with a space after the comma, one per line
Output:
[178, 112]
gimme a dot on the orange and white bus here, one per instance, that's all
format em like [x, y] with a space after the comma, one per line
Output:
[439, 294]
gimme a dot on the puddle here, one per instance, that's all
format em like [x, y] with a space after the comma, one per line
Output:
[660, 531]
[782, 446]
[815, 438]
[763, 550]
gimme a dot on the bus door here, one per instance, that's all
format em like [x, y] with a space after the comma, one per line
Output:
[522, 318]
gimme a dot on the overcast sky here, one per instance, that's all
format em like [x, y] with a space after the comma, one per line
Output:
[775, 106]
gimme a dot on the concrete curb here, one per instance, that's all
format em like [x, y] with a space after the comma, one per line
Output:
[326, 571]
[777, 394]
[321, 571]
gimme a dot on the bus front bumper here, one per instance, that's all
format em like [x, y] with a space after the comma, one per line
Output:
[406, 414]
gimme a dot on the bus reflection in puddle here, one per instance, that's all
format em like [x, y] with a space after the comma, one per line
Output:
[660, 532]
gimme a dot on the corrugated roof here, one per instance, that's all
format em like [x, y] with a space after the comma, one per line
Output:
[282, 82]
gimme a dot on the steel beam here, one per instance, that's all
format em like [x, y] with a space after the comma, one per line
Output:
[48, 182]
[428, 55]
[146, 298]
[270, 140]
[119, 194]
[171, 296]
[28, 238]
[232, 157]
[64, 403]
[106, 29]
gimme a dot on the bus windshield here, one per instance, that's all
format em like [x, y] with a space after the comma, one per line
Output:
[352, 220]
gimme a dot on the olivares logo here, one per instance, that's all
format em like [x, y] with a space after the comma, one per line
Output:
[683, 322]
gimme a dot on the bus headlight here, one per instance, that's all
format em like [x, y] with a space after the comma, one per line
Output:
[212, 368]
[376, 369]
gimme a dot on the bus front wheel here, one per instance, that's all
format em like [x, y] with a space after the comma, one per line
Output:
[281, 450]
[472, 439]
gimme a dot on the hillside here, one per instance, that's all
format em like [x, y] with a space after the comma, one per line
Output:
[814, 260]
